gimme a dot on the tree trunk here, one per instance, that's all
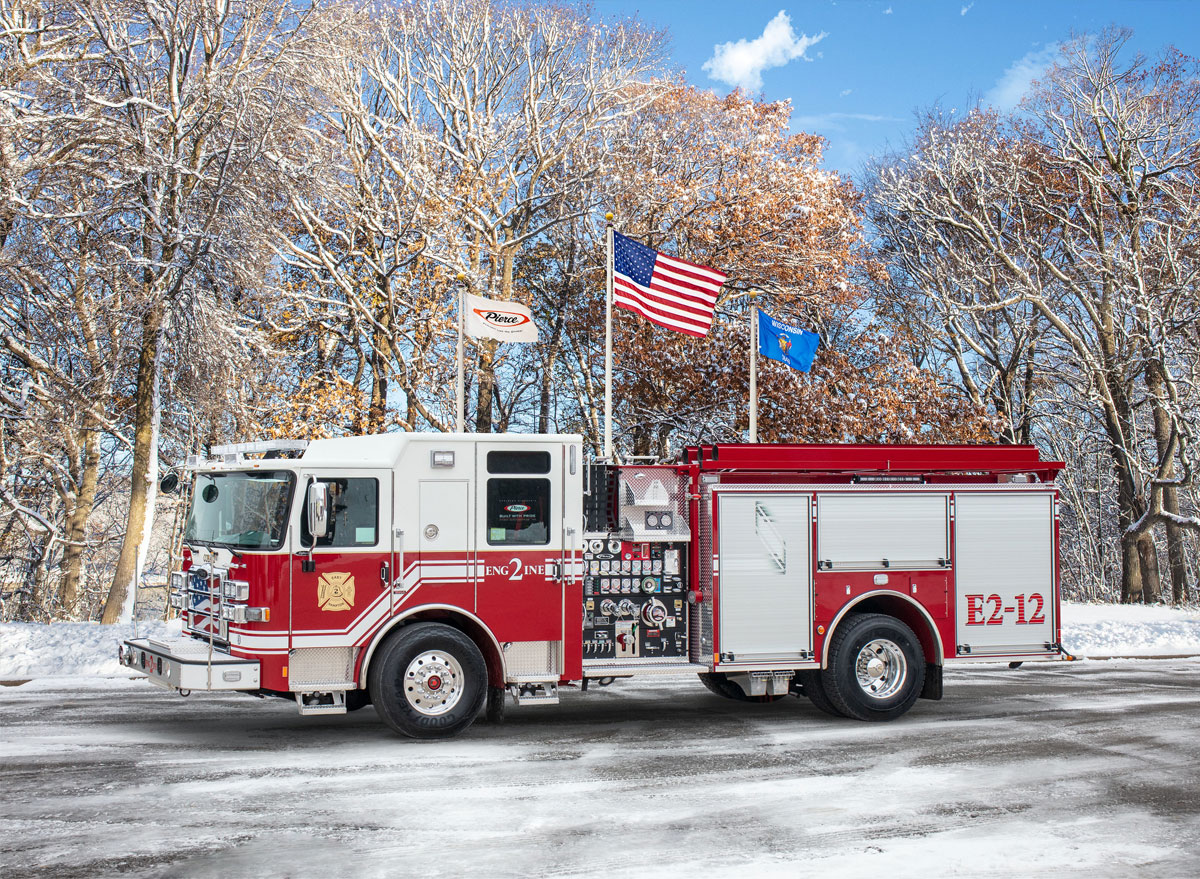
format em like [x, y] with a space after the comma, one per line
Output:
[1131, 568]
[1148, 562]
[552, 348]
[76, 530]
[142, 480]
[1170, 496]
[485, 378]
[381, 358]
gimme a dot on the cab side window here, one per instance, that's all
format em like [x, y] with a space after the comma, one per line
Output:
[518, 507]
[518, 512]
[353, 514]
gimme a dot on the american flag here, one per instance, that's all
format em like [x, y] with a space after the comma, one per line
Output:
[670, 292]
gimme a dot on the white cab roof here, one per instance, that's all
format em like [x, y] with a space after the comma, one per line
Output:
[384, 449]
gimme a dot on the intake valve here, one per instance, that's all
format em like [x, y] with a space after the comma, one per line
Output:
[654, 613]
[626, 608]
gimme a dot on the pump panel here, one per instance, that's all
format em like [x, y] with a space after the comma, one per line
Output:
[634, 600]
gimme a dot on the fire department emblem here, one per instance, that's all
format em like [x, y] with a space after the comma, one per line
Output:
[335, 592]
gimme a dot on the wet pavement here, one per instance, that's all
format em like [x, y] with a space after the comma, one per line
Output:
[1084, 769]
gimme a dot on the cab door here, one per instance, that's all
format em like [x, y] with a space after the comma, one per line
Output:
[340, 585]
[521, 554]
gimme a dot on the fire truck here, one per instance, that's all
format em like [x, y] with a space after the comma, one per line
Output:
[437, 576]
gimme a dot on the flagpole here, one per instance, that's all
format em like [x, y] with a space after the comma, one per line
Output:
[754, 370]
[459, 390]
[608, 298]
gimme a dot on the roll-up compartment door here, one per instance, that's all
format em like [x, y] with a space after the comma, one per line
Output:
[877, 531]
[765, 575]
[1004, 572]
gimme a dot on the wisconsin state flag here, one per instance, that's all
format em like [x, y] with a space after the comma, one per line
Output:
[791, 345]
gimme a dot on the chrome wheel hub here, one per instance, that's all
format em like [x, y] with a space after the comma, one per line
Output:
[433, 683]
[881, 668]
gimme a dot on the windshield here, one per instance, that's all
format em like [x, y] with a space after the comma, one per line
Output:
[246, 510]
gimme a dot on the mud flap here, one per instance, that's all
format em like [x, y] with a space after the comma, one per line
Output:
[933, 682]
[494, 707]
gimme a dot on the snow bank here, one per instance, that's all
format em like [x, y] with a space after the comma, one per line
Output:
[1130, 630]
[28, 650]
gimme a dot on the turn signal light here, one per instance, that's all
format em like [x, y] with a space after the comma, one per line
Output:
[236, 614]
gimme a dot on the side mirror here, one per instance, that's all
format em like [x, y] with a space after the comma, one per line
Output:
[318, 509]
[169, 484]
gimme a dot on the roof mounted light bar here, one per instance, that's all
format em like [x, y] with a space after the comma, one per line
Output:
[232, 453]
[275, 445]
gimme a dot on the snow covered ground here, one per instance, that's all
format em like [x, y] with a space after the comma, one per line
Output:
[1087, 770]
[1084, 770]
[1089, 630]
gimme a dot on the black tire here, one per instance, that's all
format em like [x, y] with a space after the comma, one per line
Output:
[811, 686]
[722, 686]
[497, 699]
[876, 668]
[428, 681]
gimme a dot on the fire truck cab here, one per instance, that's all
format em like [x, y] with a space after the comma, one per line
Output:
[434, 575]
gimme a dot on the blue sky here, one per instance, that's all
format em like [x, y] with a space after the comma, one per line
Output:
[879, 61]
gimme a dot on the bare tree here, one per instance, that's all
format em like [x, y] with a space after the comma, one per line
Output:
[1085, 208]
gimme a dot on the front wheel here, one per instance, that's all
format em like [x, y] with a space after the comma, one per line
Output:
[876, 668]
[429, 681]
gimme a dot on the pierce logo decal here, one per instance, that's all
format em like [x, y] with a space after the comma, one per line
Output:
[503, 319]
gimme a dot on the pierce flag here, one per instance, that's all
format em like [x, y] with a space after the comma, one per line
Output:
[791, 345]
[493, 319]
[670, 292]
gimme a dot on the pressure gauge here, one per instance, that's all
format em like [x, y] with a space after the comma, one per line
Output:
[649, 585]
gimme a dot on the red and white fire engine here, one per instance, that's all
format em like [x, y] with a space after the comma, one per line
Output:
[435, 575]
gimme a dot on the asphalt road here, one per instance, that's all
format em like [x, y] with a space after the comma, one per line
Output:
[1086, 769]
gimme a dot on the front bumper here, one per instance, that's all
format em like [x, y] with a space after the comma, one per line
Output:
[188, 664]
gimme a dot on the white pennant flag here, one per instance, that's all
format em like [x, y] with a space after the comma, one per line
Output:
[503, 321]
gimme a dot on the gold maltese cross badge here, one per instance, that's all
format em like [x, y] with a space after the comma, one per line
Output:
[335, 592]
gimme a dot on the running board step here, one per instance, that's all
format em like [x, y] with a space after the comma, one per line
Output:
[534, 694]
[321, 703]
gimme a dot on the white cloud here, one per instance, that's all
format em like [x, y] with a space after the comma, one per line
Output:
[966, 8]
[845, 92]
[742, 63]
[835, 121]
[1012, 86]
[887, 11]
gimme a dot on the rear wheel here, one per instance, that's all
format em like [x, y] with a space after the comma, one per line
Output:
[811, 686]
[428, 681]
[722, 686]
[876, 668]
